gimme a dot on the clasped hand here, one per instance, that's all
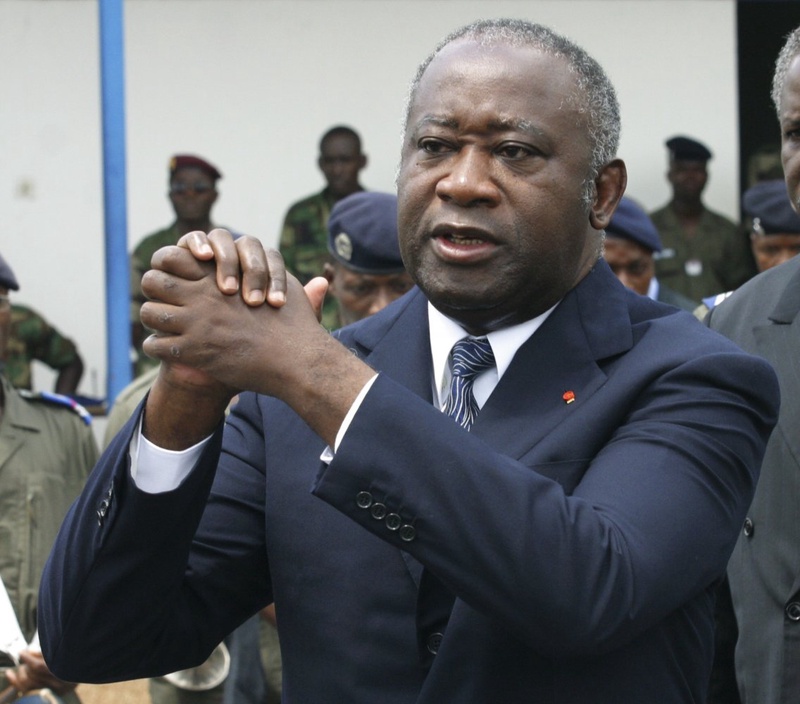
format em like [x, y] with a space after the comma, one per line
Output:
[226, 315]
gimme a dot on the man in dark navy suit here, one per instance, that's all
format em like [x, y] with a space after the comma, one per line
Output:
[554, 533]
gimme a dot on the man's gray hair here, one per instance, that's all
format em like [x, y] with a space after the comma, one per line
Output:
[790, 49]
[596, 97]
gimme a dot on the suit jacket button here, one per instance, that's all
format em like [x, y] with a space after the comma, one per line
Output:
[748, 528]
[363, 499]
[378, 511]
[408, 532]
[393, 521]
[433, 643]
[793, 611]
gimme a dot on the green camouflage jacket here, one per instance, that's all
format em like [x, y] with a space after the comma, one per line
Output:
[32, 337]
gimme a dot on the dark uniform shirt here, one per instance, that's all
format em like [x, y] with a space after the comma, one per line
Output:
[716, 258]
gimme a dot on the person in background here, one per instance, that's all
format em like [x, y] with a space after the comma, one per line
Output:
[33, 338]
[520, 482]
[366, 272]
[304, 236]
[763, 317]
[192, 193]
[47, 450]
[774, 232]
[773, 223]
[703, 252]
[629, 248]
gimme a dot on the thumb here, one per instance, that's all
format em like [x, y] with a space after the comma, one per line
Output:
[315, 291]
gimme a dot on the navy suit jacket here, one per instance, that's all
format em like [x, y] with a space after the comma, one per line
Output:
[560, 552]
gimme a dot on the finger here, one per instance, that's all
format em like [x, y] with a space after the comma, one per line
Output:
[316, 290]
[163, 318]
[256, 270]
[197, 243]
[226, 255]
[276, 296]
[180, 262]
[173, 289]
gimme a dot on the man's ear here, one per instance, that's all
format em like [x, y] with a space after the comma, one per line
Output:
[609, 187]
[329, 272]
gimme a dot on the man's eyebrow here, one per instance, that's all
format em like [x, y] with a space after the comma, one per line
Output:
[790, 120]
[497, 125]
[511, 125]
[437, 121]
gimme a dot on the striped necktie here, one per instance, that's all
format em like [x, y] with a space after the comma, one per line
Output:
[470, 357]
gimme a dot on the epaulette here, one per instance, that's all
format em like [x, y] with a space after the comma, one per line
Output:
[58, 400]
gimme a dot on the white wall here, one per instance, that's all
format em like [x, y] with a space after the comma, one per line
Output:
[252, 84]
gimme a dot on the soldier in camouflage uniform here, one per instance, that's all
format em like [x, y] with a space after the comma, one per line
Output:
[32, 337]
[304, 238]
[46, 452]
[192, 192]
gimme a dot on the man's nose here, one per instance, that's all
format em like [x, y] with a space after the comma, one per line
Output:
[469, 180]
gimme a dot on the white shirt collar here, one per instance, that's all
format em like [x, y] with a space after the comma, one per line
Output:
[445, 332]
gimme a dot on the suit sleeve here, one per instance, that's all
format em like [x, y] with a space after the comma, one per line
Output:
[133, 589]
[664, 473]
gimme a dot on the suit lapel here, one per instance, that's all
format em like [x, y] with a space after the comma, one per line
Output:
[398, 344]
[556, 370]
[779, 342]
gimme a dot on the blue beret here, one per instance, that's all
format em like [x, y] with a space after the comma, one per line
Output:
[768, 204]
[186, 161]
[362, 233]
[631, 222]
[687, 148]
[7, 278]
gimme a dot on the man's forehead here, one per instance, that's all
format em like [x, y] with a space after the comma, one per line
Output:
[339, 143]
[466, 59]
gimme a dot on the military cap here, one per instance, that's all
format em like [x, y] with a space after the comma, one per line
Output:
[768, 204]
[184, 161]
[631, 222]
[7, 278]
[687, 148]
[362, 233]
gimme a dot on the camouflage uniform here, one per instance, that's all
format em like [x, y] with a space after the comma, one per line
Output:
[46, 454]
[32, 337]
[304, 245]
[140, 263]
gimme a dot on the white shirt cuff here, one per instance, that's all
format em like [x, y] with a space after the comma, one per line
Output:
[328, 453]
[155, 470]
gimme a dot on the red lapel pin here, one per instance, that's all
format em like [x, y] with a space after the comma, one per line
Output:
[568, 396]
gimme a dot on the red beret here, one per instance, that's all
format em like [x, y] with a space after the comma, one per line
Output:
[183, 161]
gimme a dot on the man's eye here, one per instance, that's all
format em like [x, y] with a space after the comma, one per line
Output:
[514, 151]
[432, 146]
